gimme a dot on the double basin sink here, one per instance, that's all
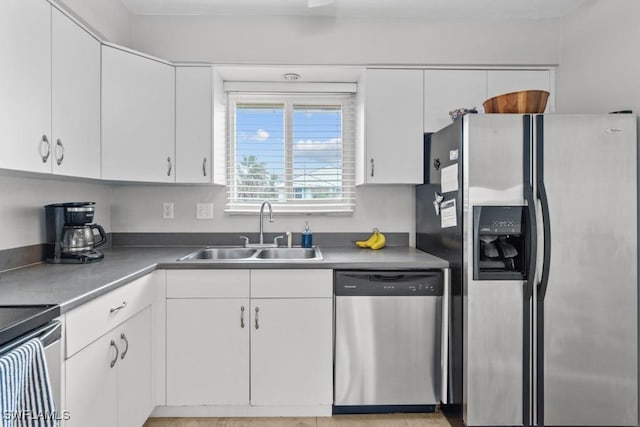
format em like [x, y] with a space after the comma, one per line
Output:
[254, 254]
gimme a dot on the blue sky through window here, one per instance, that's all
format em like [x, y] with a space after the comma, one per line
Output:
[316, 147]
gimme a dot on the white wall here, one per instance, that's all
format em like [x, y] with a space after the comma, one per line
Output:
[599, 67]
[109, 18]
[23, 198]
[324, 40]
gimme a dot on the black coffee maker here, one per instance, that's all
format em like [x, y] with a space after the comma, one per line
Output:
[71, 238]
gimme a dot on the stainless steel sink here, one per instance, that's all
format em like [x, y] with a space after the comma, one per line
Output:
[250, 254]
[219, 254]
[289, 253]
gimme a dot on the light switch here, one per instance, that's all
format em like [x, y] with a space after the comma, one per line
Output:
[204, 211]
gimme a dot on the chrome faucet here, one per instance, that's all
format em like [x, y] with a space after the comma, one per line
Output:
[268, 203]
[262, 244]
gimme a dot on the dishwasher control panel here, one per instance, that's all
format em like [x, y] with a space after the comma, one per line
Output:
[389, 283]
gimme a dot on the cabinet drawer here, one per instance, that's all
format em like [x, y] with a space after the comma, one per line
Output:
[208, 283]
[291, 283]
[93, 319]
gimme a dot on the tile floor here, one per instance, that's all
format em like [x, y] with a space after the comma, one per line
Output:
[381, 420]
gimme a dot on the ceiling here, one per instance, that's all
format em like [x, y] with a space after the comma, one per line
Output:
[432, 9]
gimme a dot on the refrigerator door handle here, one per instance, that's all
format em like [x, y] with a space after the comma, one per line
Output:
[531, 207]
[544, 207]
[444, 339]
[528, 181]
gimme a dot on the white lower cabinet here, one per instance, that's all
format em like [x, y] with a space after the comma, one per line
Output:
[108, 383]
[108, 351]
[92, 385]
[291, 351]
[227, 348]
[208, 351]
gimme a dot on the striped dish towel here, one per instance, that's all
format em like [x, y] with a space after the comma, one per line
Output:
[25, 393]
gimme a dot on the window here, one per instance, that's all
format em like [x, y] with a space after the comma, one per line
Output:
[295, 150]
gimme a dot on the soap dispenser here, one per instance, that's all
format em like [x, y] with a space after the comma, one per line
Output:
[307, 237]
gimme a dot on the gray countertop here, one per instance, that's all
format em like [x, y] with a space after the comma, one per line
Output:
[70, 285]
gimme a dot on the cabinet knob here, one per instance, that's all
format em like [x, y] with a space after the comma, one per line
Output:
[59, 153]
[45, 142]
[204, 167]
[373, 167]
[115, 359]
[242, 316]
[169, 166]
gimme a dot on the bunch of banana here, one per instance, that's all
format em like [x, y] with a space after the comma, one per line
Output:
[375, 241]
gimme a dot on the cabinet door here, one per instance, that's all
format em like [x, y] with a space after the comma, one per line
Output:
[193, 124]
[138, 117]
[291, 351]
[393, 126]
[506, 81]
[76, 99]
[208, 351]
[135, 401]
[92, 385]
[25, 85]
[446, 90]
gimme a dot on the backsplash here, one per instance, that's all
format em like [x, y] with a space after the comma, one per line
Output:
[23, 199]
[137, 208]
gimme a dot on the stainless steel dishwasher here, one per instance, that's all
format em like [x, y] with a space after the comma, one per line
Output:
[389, 351]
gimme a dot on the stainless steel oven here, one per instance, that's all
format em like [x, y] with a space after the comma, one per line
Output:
[20, 324]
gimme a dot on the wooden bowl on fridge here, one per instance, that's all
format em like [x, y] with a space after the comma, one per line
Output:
[522, 102]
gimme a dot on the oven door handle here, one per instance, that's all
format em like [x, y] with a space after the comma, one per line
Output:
[48, 334]
[51, 333]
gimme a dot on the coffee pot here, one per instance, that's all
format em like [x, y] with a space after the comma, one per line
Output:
[82, 238]
[70, 236]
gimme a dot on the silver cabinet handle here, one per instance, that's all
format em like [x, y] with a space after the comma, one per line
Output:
[242, 316]
[59, 158]
[372, 167]
[123, 337]
[118, 308]
[257, 324]
[45, 141]
[113, 344]
[204, 167]
[169, 166]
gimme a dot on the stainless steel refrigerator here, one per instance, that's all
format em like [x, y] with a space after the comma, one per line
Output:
[537, 215]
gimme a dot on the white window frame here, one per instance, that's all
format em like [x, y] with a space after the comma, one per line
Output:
[346, 205]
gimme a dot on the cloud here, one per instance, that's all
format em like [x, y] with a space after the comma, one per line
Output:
[260, 135]
[328, 151]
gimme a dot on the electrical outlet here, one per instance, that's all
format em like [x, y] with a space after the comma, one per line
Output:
[204, 211]
[167, 210]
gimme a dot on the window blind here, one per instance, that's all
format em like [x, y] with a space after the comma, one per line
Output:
[295, 150]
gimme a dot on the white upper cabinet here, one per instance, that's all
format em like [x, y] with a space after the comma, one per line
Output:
[447, 90]
[193, 124]
[76, 99]
[25, 85]
[390, 144]
[138, 117]
[505, 81]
